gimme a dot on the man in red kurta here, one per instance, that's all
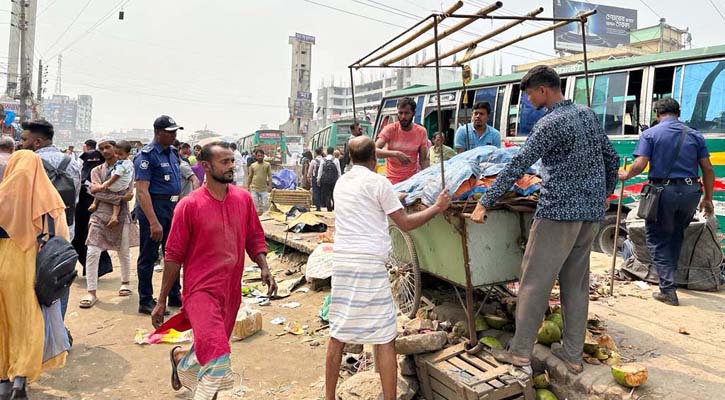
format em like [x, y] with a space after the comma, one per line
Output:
[211, 230]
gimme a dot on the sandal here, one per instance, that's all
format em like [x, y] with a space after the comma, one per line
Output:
[558, 350]
[175, 382]
[88, 301]
[506, 357]
[125, 290]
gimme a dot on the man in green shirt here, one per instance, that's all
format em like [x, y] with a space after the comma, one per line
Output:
[434, 153]
[260, 181]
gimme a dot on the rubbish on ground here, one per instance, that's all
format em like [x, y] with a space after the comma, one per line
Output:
[319, 264]
[641, 285]
[302, 290]
[683, 331]
[491, 342]
[590, 343]
[278, 321]
[295, 328]
[254, 300]
[248, 323]
[285, 288]
[292, 304]
[325, 310]
[606, 342]
[549, 333]
[265, 302]
[169, 336]
[630, 375]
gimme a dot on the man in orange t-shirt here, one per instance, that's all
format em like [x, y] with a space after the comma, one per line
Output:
[404, 144]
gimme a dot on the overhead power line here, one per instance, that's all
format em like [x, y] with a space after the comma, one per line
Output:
[717, 9]
[69, 26]
[651, 9]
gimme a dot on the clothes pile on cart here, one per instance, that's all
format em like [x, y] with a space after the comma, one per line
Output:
[469, 175]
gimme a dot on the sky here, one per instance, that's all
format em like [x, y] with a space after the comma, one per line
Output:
[225, 64]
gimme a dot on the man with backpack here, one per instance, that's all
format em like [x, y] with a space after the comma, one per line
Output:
[327, 174]
[63, 171]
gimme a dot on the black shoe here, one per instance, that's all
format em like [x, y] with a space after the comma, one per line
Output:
[148, 308]
[667, 298]
[174, 302]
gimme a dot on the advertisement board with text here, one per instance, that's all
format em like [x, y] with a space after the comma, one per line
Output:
[608, 28]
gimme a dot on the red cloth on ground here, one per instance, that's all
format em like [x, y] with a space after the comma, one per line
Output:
[208, 238]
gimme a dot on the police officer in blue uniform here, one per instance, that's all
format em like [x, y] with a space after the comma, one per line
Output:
[158, 185]
[674, 153]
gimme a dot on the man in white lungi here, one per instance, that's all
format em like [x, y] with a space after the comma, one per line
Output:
[362, 309]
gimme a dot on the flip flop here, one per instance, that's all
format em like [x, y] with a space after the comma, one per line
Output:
[558, 351]
[175, 382]
[506, 357]
[88, 301]
[124, 291]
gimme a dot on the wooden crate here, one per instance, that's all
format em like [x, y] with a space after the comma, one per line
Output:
[301, 198]
[453, 374]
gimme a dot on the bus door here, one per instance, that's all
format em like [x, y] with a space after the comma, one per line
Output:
[449, 105]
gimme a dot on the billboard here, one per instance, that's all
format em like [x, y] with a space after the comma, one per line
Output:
[608, 28]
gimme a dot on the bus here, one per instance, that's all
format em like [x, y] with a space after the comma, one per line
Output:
[336, 134]
[272, 141]
[622, 94]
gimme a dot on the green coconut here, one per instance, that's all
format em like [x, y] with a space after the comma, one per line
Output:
[494, 321]
[481, 324]
[544, 394]
[630, 375]
[556, 318]
[491, 342]
[614, 359]
[590, 343]
[542, 381]
[548, 333]
[602, 354]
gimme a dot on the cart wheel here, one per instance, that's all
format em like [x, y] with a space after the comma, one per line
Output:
[404, 272]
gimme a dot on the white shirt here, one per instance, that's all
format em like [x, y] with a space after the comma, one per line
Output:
[363, 201]
[239, 164]
[124, 170]
[322, 166]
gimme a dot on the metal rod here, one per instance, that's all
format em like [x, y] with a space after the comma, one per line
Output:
[616, 232]
[517, 17]
[390, 41]
[469, 287]
[482, 38]
[516, 40]
[417, 34]
[583, 22]
[438, 101]
[403, 66]
[455, 28]
[352, 91]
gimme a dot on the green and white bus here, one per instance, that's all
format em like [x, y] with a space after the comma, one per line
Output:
[272, 141]
[336, 134]
[622, 94]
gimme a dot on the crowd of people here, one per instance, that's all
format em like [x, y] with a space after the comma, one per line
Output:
[199, 205]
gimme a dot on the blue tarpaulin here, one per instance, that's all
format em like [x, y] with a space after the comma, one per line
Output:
[284, 179]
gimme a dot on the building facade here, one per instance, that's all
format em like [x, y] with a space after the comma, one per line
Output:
[300, 104]
[71, 117]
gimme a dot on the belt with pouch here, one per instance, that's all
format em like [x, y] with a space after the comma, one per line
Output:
[165, 197]
[675, 181]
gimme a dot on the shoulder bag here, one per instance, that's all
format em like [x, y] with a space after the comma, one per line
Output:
[650, 195]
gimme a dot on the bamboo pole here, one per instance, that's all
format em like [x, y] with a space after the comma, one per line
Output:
[455, 28]
[482, 38]
[520, 38]
[425, 28]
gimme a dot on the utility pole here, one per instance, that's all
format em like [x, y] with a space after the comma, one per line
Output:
[40, 80]
[58, 81]
[25, 97]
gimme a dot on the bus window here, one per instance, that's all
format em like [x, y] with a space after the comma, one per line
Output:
[632, 101]
[465, 110]
[513, 110]
[608, 100]
[419, 109]
[702, 98]
[580, 90]
[496, 122]
[528, 115]
[487, 95]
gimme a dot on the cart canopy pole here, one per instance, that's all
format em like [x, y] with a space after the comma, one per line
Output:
[352, 92]
[455, 28]
[583, 21]
[438, 99]
[472, 43]
[450, 10]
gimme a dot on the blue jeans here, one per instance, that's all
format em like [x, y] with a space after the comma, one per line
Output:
[677, 206]
[316, 194]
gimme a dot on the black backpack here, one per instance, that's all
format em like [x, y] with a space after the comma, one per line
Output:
[64, 184]
[55, 265]
[329, 173]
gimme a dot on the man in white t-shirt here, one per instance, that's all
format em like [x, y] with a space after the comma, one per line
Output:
[362, 309]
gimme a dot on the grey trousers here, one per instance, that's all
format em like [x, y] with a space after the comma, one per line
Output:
[556, 249]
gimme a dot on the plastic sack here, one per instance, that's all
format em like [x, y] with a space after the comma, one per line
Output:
[284, 179]
[325, 309]
[319, 264]
[171, 336]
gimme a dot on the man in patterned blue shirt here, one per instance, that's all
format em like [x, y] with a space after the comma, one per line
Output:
[579, 173]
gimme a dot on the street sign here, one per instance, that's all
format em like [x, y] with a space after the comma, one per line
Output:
[305, 38]
[608, 28]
